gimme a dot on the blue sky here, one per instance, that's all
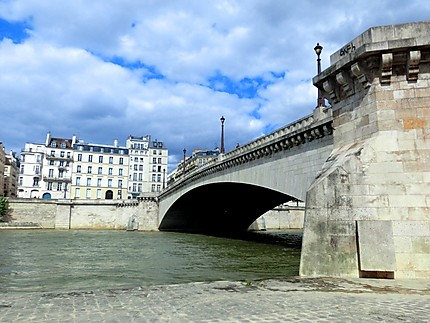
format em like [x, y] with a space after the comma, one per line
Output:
[104, 70]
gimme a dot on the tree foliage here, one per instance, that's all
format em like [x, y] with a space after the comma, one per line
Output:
[4, 207]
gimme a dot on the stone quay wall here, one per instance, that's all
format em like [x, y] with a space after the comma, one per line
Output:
[84, 214]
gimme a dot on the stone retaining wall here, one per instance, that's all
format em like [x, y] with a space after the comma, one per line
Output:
[84, 214]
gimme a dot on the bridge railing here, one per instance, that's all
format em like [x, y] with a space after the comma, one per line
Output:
[313, 126]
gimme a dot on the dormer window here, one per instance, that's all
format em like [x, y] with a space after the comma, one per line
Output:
[53, 144]
[63, 145]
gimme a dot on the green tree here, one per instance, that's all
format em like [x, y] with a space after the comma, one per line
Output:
[4, 207]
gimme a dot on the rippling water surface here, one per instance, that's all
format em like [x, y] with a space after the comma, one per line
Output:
[39, 260]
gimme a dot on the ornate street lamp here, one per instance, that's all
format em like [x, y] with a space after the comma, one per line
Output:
[183, 168]
[318, 49]
[222, 134]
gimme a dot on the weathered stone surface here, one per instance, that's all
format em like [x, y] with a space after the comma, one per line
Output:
[378, 171]
[375, 240]
[85, 214]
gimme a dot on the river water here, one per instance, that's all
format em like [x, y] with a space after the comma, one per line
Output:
[61, 261]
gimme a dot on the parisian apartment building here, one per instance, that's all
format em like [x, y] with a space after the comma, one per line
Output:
[70, 168]
[2, 166]
[9, 165]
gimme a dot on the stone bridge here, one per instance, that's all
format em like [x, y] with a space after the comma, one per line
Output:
[232, 192]
[363, 166]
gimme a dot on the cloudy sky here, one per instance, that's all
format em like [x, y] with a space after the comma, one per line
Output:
[106, 69]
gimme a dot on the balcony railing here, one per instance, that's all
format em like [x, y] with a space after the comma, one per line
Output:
[57, 179]
[55, 157]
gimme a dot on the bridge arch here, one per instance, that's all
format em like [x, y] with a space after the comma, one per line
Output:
[221, 207]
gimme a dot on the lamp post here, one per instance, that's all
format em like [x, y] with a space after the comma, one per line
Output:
[318, 49]
[222, 134]
[183, 168]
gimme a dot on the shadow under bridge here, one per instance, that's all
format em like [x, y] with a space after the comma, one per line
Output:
[221, 207]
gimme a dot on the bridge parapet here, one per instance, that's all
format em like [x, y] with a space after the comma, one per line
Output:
[311, 127]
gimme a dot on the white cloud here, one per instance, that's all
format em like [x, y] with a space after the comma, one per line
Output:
[60, 79]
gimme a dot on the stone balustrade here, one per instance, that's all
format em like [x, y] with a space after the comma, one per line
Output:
[313, 126]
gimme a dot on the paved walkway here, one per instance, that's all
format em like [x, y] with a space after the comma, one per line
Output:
[289, 300]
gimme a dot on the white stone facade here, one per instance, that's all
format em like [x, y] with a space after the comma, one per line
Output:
[72, 169]
[148, 166]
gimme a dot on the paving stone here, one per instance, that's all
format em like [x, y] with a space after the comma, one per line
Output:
[299, 300]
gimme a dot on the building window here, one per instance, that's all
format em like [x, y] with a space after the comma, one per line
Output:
[135, 167]
[121, 160]
[88, 194]
[120, 183]
[22, 169]
[90, 158]
[51, 163]
[141, 167]
[53, 144]
[154, 152]
[134, 176]
[153, 188]
[53, 153]
[109, 182]
[62, 153]
[119, 194]
[49, 186]
[139, 187]
[153, 177]
[159, 178]
[154, 160]
[79, 157]
[134, 187]
[158, 188]
[99, 193]
[88, 181]
[63, 145]
[140, 176]
[159, 160]
[61, 164]
[99, 182]
[38, 159]
[60, 174]
[59, 186]
[120, 172]
[37, 171]
[78, 169]
[110, 160]
[110, 171]
[100, 170]
[90, 169]
[68, 154]
[100, 159]
[77, 192]
[51, 173]
[78, 181]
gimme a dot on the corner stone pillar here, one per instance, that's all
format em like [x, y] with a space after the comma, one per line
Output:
[368, 211]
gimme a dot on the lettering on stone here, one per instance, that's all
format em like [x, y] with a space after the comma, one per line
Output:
[347, 49]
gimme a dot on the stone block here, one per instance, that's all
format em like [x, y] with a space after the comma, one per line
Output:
[402, 244]
[421, 245]
[376, 246]
[411, 228]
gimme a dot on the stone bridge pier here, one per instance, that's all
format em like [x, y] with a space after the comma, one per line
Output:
[368, 211]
